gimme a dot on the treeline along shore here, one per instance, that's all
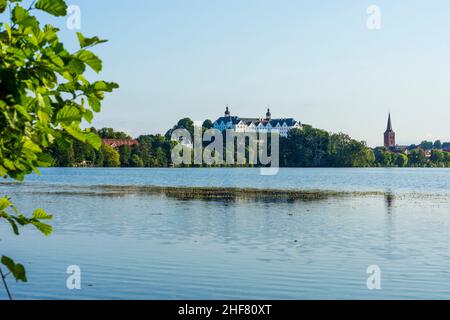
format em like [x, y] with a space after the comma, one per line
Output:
[306, 147]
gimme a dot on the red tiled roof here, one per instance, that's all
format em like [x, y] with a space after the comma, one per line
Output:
[116, 143]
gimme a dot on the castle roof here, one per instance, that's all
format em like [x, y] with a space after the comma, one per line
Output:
[234, 120]
[290, 122]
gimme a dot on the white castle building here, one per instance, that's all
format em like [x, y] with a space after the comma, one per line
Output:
[267, 124]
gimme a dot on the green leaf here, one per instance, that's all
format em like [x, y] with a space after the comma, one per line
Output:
[8, 31]
[86, 42]
[13, 225]
[90, 59]
[77, 66]
[50, 33]
[4, 203]
[68, 114]
[9, 164]
[54, 58]
[17, 270]
[88, 116]
[23, 111]
[45, 160]
[21, 16]
[100, 87]
[94, 102]
[40, 214]
[94, 140]
[3, 6]
[42, 227]
[8, 263]
[76, 133]
[57, 8]
[2, 172]
[29, 145]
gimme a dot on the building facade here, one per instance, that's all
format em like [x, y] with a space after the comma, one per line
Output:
[265, 124]
[389, 135]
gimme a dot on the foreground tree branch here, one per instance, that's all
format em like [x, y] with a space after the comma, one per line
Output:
[44, 97]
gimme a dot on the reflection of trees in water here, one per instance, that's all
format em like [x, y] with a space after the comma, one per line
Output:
[389, 199]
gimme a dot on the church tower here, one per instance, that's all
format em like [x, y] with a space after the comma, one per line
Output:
[389, 135]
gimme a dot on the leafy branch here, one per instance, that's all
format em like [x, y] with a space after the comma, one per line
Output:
[44, 98]
[15, 220]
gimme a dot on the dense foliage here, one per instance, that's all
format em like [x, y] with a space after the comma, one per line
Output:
[44, 97]
[415, 157]
[312, 147]
[151, 151]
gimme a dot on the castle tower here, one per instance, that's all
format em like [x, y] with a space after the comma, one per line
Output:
[389, 135]
[268, 115]
[227, 112]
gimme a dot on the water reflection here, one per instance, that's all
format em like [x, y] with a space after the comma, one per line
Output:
[166, 246]
[389, 199]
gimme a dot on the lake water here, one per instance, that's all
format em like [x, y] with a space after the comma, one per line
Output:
[134, 245]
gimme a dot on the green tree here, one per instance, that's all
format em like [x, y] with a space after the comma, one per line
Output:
[346, 152]
[62, 156]
[426, 145]
[447, 158]
[99, 158]
[417, 158]
[437, 144]
[125, 155]
[207, 124]
[44, 97]
[109, 133]
[370, 156]
[111, 158]
[136, 161]
[401, 160]
[185, 123]
[384, 158]
[438, 157]
[154, 150]
[307, 147]
[83, 152]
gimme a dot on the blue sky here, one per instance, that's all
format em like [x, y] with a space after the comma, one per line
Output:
[315, 61]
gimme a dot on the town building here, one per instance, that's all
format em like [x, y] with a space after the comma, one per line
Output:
[265, 124]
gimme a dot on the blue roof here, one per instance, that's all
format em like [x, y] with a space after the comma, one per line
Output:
[290, 122]
[234, 120]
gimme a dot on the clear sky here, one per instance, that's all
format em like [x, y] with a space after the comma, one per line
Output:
[315, 61]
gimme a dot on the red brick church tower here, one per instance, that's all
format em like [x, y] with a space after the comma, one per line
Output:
[389, 135]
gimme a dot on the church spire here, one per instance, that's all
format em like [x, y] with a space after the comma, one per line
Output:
[389, 125]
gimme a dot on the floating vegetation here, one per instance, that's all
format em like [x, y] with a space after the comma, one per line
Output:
[231, 194]
[225, 194]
